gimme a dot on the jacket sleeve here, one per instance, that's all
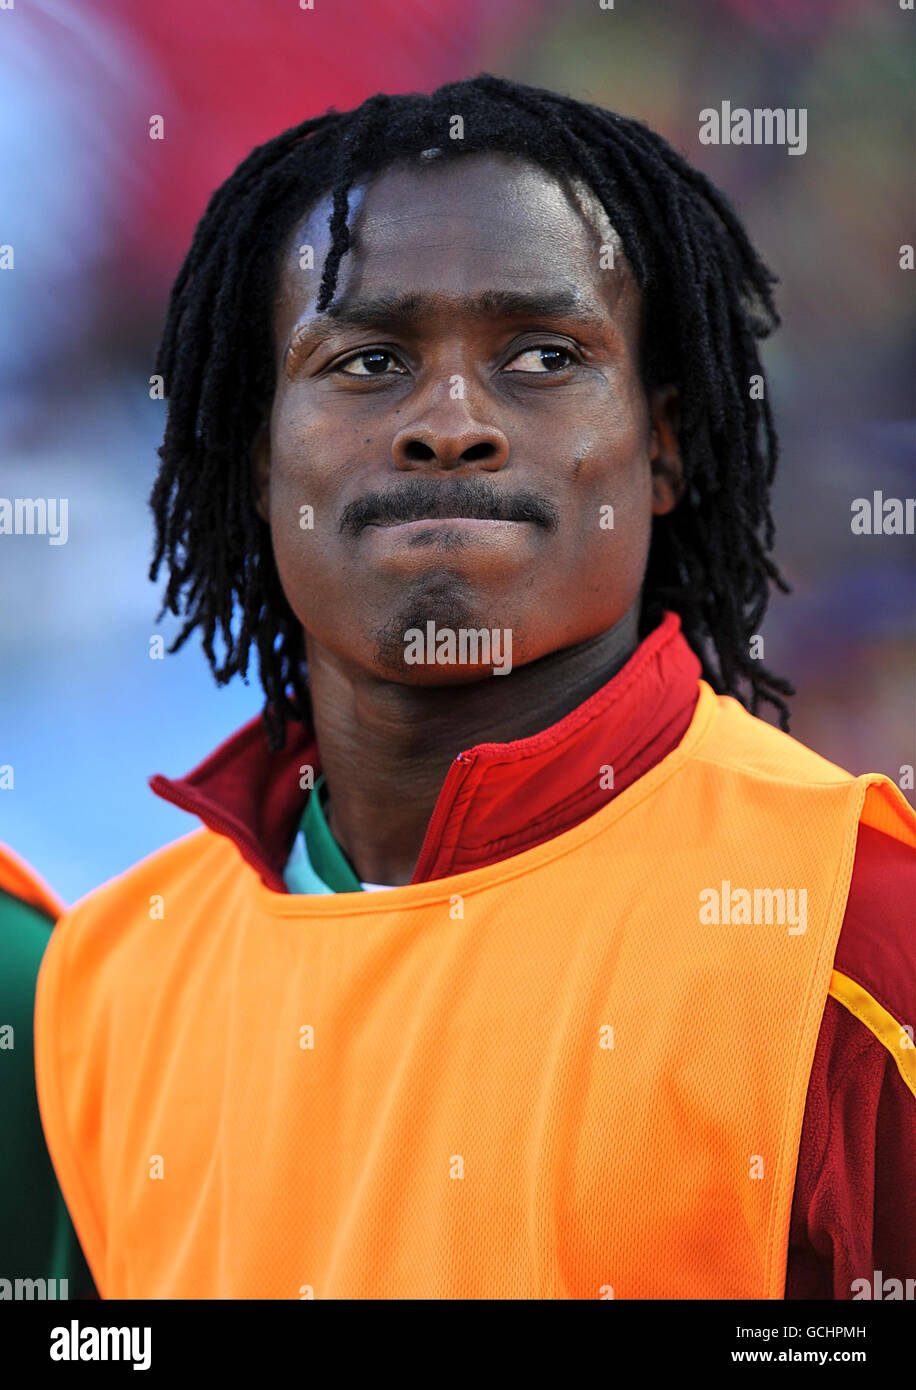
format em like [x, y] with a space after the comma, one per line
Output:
[854, 1208]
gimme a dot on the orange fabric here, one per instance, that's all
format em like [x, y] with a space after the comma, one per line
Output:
[21, 881]
[462, 1126]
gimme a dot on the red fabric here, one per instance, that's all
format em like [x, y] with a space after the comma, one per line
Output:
[855, 1199]
[227, 77]
[854, 1208]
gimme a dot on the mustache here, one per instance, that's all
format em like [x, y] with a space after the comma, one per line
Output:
[419, 498]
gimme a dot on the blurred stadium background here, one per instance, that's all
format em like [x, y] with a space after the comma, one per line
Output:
[100, 217]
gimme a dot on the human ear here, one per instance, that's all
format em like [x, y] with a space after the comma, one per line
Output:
[664, 449]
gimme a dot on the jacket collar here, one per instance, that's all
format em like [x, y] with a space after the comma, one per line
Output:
[497, 799]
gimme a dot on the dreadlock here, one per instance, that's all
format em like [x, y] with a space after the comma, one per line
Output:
[707, 298]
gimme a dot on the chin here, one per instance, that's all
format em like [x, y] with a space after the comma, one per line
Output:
[434, 677]
[443, 641]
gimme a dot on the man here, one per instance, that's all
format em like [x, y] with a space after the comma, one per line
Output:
[515, 958]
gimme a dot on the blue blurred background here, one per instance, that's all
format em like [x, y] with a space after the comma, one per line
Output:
[100, 217]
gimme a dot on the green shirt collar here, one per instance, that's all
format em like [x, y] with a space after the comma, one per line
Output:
[327, 858]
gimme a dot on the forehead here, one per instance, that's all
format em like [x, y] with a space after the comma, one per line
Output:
[456, 228]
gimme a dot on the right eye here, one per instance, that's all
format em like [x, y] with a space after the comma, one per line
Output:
[371, 362]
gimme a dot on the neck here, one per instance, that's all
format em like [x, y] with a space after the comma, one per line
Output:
[386, 748]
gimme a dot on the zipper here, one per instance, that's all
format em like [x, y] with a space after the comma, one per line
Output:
[454, 780]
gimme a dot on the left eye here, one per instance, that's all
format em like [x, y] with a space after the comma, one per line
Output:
[541, 359]
[372, 363]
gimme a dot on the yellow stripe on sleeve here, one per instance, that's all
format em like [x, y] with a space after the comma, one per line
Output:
[877, 1020]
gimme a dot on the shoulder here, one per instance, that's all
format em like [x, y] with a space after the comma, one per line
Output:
[740, 740]
[876, 949]
[732, 738]
[101, 930]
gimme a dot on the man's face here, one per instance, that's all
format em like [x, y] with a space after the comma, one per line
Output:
[483, 371]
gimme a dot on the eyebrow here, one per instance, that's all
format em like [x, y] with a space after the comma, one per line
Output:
[408, 310]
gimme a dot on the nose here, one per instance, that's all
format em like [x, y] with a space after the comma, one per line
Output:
[450, 439]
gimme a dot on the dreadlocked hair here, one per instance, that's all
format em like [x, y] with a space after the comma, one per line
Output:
[707, 299]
